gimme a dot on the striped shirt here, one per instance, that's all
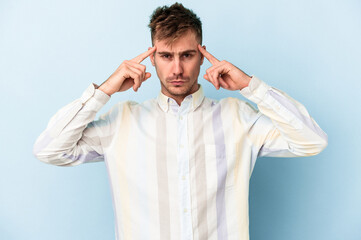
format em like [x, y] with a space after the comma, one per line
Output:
[181, 172]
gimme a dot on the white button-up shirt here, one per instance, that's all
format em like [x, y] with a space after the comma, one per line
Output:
[181, 172]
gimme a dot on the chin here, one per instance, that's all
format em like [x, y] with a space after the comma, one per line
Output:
[181, 90]
[178, 91]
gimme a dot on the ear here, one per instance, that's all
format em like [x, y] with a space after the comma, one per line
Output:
[202, 57]
[152, 57]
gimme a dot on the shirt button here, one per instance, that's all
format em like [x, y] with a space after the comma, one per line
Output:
[181, 146]
[181, 118]
[185, 210]
[183, 177]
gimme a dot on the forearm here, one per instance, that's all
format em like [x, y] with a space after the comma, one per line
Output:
[61, 143]
[294, 127]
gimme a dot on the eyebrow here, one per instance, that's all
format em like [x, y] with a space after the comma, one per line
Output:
[183, 52]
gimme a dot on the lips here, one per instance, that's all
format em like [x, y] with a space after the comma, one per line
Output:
[177, 82]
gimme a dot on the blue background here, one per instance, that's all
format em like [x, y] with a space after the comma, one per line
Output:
[50, 51]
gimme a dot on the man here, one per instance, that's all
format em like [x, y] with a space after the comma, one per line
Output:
[180, 165]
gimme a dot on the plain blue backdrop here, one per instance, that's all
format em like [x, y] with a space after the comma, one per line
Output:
[50, 51]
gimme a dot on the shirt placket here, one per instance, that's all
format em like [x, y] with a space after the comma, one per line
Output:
[183, 170]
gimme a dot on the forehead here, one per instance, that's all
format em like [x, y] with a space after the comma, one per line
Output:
[188, 41]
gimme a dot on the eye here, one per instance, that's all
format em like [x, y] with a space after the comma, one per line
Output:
[187, 55]
[166, 56]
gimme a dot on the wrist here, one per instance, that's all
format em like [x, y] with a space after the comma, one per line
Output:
[105, 89]
[246, 80]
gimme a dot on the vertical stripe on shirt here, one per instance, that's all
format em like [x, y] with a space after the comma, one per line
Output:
[221, 172]
[162, 173]
[201, 175]
[139, 191]
[121, 153]
[173, 181]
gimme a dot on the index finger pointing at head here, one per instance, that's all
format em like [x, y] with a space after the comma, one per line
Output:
[141, 57]
[209, 56]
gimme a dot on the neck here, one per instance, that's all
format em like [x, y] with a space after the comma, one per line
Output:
[180, 97]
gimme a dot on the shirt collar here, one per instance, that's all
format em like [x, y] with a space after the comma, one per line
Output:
[196, 99]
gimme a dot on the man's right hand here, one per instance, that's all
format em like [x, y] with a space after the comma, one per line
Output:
[129, 74]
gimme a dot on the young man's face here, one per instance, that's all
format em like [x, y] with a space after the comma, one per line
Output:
[178, 66]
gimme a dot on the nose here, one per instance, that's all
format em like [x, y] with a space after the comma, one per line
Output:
[177, 67]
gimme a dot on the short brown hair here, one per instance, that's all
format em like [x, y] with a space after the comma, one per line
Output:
[172, 22]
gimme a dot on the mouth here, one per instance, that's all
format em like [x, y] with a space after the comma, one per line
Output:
[177, 82]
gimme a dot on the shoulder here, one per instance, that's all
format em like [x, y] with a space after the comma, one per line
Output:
[129, 106]
[234, 109]
[118, 109]
[232, 104]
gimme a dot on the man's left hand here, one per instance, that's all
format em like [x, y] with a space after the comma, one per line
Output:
[224, 74]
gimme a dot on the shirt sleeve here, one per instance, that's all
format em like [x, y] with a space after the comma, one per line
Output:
[283, 126]
[71, 137]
